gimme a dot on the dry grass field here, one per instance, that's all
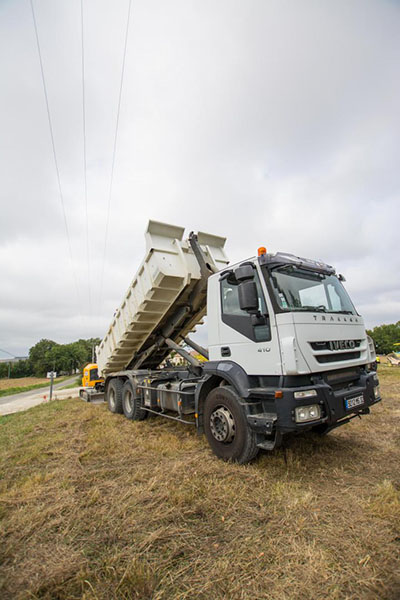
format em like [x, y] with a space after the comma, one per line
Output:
[93, 506]
[22, 382]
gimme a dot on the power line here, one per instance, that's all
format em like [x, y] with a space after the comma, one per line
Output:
[54, 151]
[84, 162]
[6, 352]
[114, 152]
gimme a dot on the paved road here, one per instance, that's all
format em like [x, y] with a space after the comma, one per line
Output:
[43, 390]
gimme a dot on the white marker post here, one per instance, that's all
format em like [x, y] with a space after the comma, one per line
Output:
[51, 375]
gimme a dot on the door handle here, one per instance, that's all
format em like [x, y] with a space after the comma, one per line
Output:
[225, 351]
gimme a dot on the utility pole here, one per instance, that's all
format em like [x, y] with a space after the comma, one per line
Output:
[93, 353]
[9, 370]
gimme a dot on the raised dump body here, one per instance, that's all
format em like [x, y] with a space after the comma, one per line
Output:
[166, 298]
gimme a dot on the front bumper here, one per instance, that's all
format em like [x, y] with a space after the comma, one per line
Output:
[331, 400]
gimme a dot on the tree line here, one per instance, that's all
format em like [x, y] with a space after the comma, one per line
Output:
[385, 337]
[48, 355]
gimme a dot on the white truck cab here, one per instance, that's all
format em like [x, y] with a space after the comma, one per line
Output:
[304, 321]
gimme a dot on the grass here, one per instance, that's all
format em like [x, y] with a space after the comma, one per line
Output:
[9, 387]
[93, 506]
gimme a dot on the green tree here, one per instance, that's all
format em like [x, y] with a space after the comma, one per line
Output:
[40, 357]
[77, 355]
[3, 370]
[385, 336]
[89, 344]
[47, 355]
[22, 368]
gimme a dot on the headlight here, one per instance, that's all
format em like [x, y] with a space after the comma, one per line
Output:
[377, 391]
[307, 413]
[305, 394]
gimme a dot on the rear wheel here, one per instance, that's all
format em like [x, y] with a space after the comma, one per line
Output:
[132, 403]
[114, 395]
[226, 427]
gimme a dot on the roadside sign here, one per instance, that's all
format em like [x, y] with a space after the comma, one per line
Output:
[51, 374]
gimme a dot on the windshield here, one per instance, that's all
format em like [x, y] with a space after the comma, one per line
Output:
[299, 289]
[94, 374]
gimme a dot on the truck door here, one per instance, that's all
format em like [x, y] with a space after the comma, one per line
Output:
[247, 339]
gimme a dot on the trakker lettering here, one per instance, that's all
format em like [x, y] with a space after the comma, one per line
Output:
[335, 318]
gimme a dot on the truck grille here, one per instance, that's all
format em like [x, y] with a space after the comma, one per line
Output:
[332, 351]
[336, 357]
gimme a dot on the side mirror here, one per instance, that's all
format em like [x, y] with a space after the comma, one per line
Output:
[244, 272]
[248, 296]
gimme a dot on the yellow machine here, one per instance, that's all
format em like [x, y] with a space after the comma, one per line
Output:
[90, 377]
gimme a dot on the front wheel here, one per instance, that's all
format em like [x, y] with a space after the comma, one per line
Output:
[226, 428]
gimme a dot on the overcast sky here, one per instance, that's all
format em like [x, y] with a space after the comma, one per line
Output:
[269, 122]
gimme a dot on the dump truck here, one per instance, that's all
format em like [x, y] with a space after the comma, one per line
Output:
[287, 350]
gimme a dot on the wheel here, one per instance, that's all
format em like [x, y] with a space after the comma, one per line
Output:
[132, 404]
[114, 395]
[226, 427]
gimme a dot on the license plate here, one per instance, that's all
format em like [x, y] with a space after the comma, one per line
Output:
[353, 402]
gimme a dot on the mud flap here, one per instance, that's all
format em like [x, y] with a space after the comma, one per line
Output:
[270, 444]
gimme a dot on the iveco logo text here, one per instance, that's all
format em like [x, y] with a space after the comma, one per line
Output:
[331, 318]
[342, 345]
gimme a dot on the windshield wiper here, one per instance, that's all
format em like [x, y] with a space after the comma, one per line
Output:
[342, 312]
[320, 308]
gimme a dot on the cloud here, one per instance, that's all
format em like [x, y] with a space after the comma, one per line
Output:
[271, 123]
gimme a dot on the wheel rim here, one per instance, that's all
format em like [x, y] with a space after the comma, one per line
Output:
[112, 398]
[222, 424]
[128, 401]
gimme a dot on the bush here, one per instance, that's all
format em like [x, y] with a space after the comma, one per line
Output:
[385, 336]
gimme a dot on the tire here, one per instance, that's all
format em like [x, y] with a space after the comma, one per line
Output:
[132, 404]
[226, 428]
[114, 395]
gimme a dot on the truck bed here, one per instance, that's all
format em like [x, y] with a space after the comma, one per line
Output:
[160, 296]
